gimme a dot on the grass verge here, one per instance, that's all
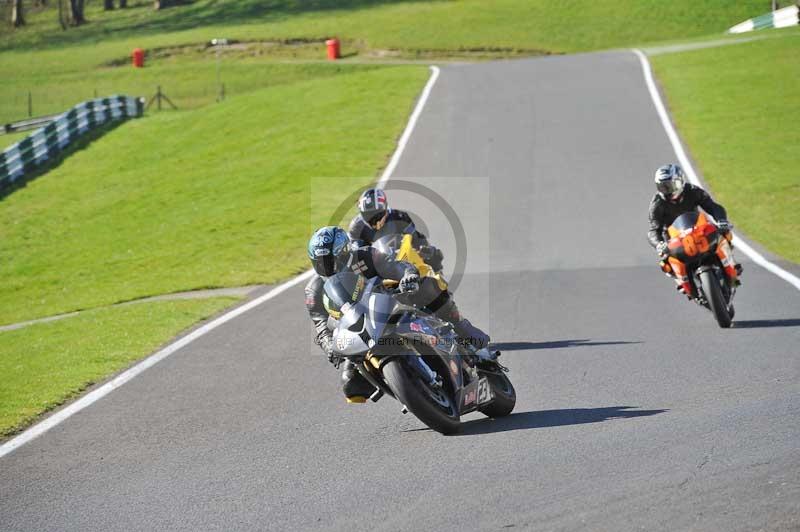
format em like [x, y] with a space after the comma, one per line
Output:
[219, 196]
[565, 26]
[736, 107]
[44, 365]
[61, 68]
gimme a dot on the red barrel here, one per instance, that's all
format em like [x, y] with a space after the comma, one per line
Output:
[138, 58]
[333, 49]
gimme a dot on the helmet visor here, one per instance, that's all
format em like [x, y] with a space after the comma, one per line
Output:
[327, 262]
[377, 219]
[670, 188]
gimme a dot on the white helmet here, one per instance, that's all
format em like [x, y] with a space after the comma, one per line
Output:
[670, 182]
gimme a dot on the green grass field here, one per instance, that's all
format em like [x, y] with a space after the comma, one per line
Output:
[214, 197]
[43, 365]
[61, 68]
[736, 108]
[565, 26]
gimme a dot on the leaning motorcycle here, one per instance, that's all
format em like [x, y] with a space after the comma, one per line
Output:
[701, 259]
[413, 356]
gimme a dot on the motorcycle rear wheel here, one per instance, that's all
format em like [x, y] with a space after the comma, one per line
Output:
[417, 396]
[716, 301]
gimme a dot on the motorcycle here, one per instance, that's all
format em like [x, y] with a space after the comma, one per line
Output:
[701, 259]
[412, 356]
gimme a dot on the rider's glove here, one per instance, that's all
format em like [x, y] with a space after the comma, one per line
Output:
[432, 256]
[724, 226]
[327, 345]
[661, 249]
[409, 282]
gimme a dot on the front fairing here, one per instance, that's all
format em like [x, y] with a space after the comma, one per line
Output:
[426, 334]
[693, 239]
[365, 312]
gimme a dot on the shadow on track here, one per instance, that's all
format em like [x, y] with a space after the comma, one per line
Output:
[552, 418]
[555, 344]
[758, 324]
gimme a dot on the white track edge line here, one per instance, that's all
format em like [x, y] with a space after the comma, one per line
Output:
[683, 159]
[95, 395]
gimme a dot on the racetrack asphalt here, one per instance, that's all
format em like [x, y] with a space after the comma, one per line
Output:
[635, 410]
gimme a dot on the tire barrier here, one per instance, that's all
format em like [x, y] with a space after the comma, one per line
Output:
[38, 147]
[782, 18]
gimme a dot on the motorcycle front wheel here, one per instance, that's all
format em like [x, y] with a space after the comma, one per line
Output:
[716, 301]
[432, 405]
[505, 397]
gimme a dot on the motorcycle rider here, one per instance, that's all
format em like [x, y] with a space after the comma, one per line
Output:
[331, 251]
[674, 197]
[374, 213]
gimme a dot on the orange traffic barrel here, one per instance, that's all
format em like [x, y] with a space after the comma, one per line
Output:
[138, 58]
[333, 49]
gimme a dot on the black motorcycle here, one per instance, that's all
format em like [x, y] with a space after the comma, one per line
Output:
[413, 356]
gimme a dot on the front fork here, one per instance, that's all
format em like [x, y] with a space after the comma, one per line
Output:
[677, 270]
[725, 254]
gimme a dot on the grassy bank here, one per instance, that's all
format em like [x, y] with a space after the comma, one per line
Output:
[214, 197]
[565, 26]
[189, 81]
[43, 365]
[736, 108]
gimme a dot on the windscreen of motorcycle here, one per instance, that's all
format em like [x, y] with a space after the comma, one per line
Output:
[380, 308]
[686, 220]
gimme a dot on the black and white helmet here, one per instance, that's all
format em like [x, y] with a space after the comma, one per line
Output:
[670, 182]
[373, 206]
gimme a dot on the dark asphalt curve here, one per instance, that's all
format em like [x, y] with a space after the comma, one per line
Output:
[635, 410]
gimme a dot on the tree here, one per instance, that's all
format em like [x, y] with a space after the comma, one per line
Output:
[61, 18]
[75, 12]
[70, 13]
[17, 16]
[123, 4]
[108, 5]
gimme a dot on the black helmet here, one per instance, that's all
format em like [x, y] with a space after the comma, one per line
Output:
[670, 182]
[373, 207]
[329, 250]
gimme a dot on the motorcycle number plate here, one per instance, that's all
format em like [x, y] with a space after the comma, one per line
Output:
[484, 391]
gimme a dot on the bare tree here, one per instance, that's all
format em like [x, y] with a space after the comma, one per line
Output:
[17, 16]
[76, 17]
[62, 19]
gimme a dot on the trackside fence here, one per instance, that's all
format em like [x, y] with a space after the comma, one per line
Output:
[38, 147]
[782, 18]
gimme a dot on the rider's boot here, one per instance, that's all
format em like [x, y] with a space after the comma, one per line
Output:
[355, 387]
[738, 268]
[466, 331]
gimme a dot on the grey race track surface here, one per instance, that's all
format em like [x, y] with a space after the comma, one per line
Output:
[635, 410]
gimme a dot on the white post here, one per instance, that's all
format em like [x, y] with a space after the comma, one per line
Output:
[217, 43]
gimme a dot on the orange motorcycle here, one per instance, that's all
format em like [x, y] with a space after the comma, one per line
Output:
[701, 260]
